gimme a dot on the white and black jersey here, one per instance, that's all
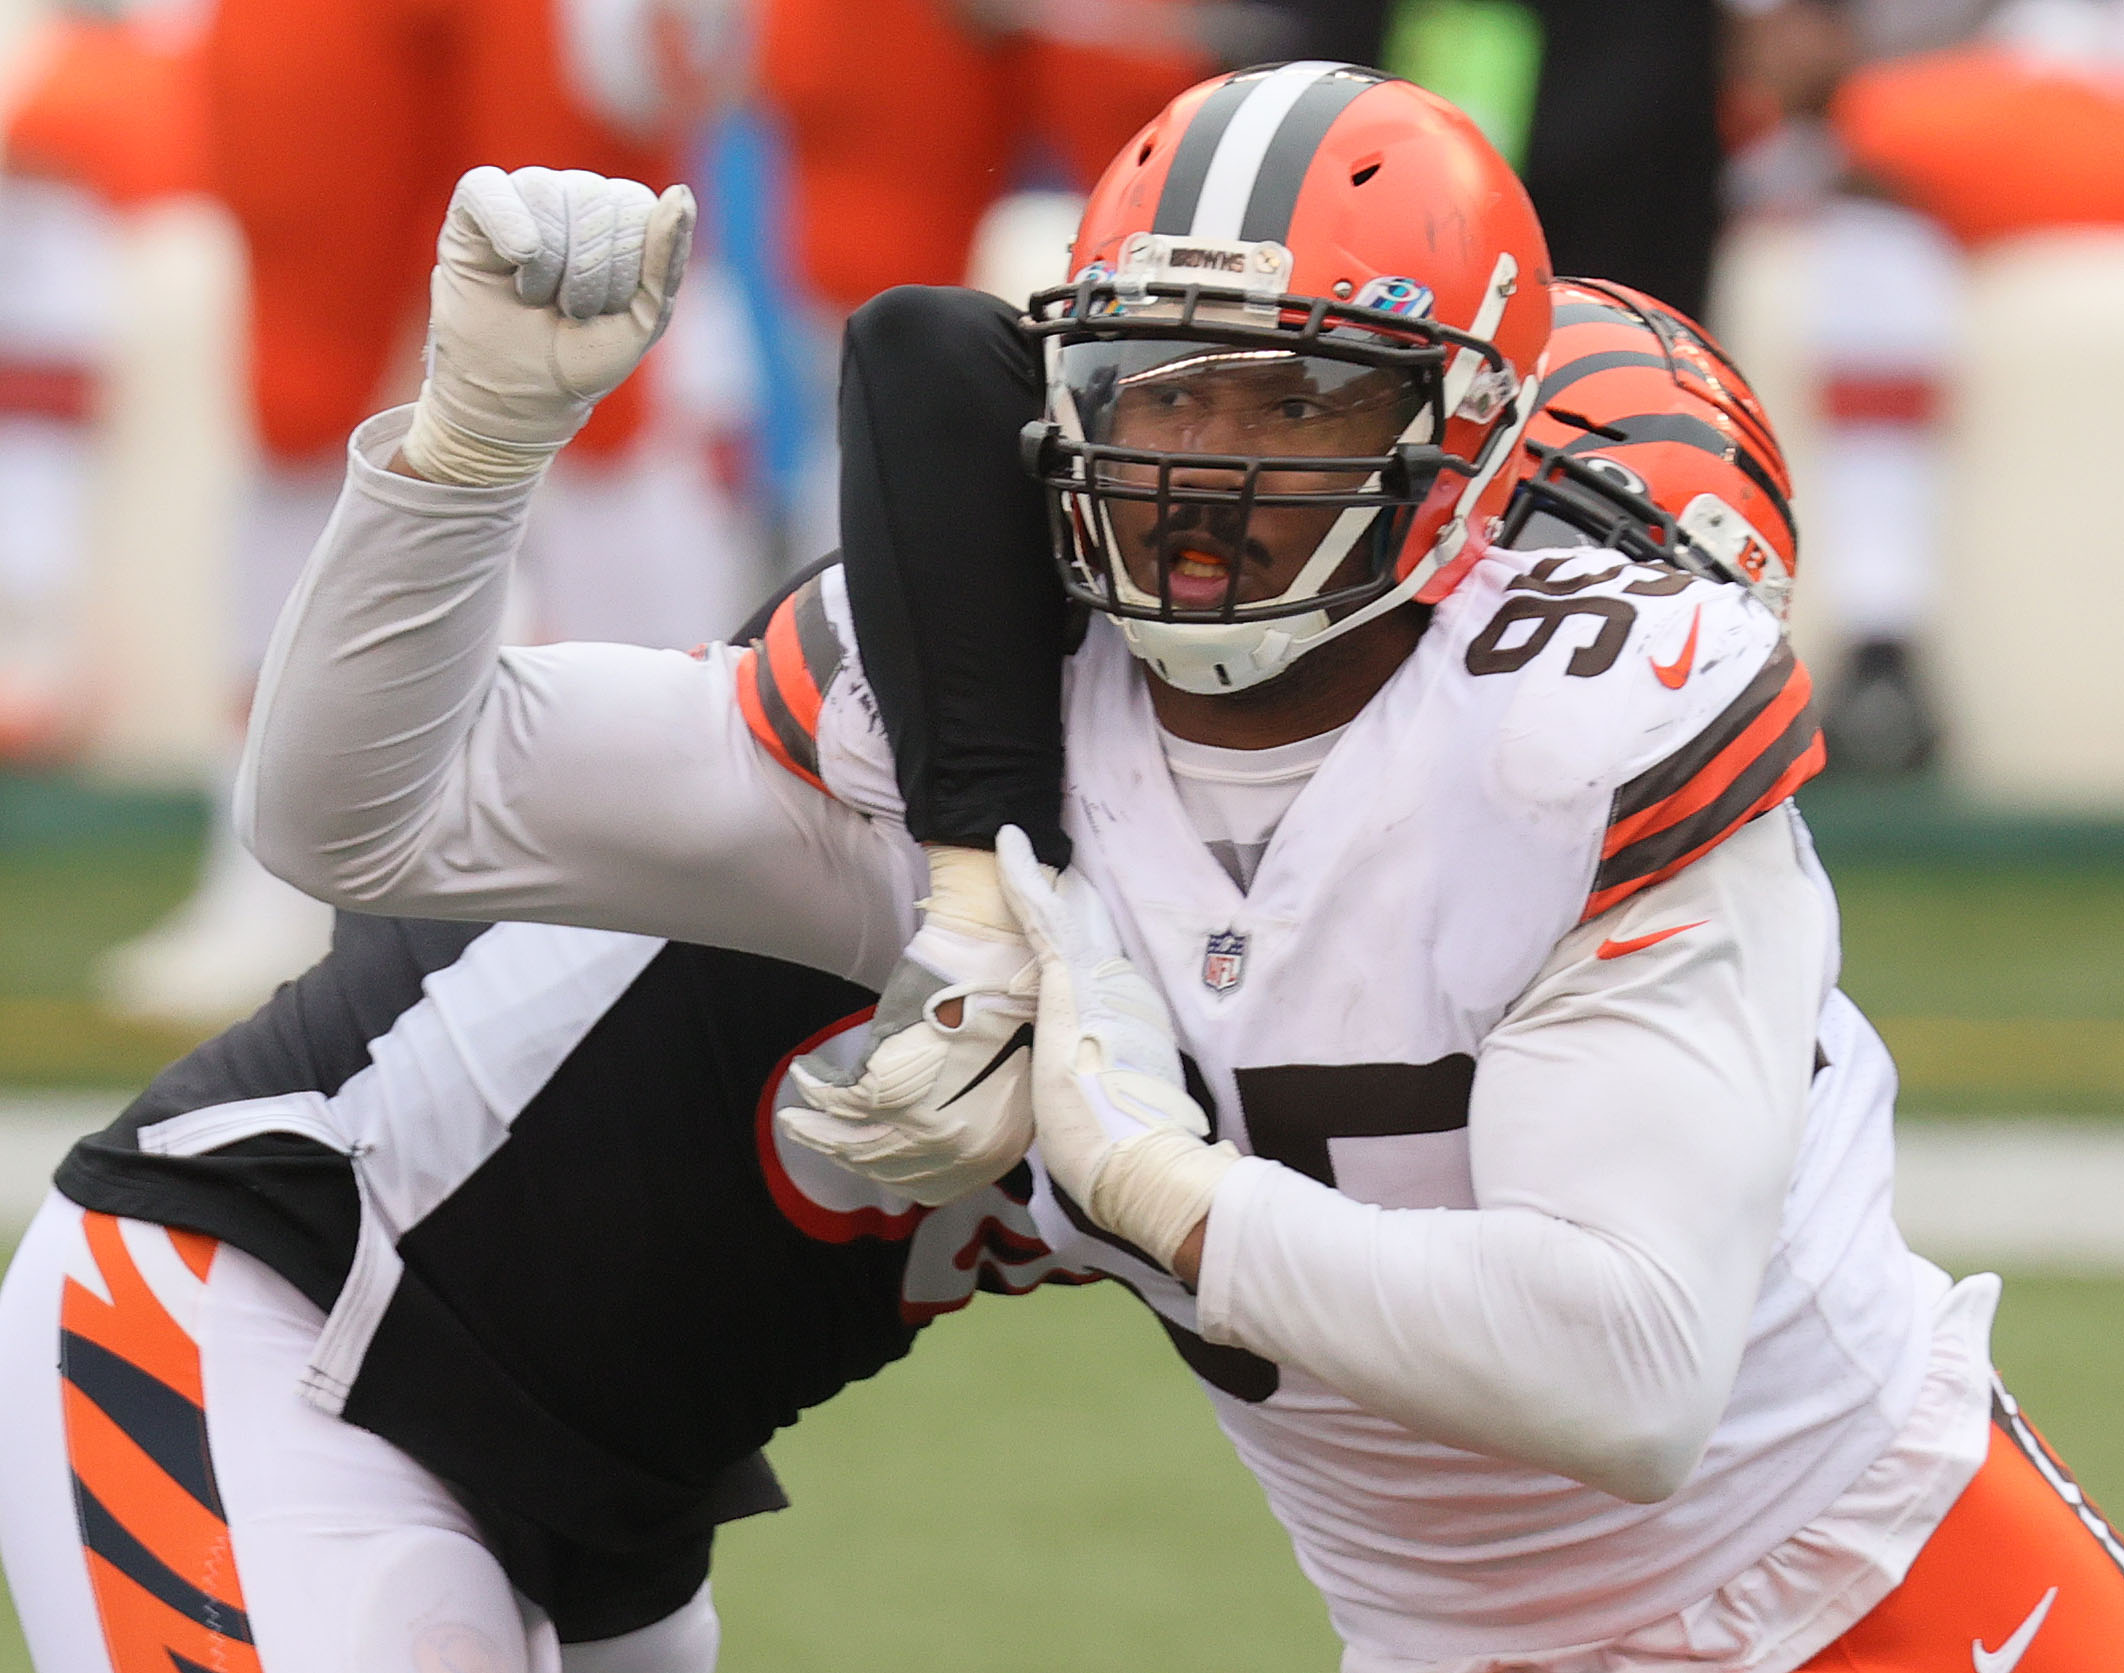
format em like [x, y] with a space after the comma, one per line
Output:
[529, 1174]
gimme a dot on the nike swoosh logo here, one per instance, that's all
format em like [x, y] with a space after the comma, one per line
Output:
[1674, 675]
[2008, 1655]
[1638, 943]
[1020, 1041]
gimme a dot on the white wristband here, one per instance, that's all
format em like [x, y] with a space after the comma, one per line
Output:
[1156, 1188]
[442, 451]
[966, 893]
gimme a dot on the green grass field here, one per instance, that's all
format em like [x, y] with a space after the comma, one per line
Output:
[1041, 1484]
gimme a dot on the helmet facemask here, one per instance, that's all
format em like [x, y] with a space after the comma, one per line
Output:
[1243, 468]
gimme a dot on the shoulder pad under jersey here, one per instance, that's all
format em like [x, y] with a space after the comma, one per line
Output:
[1672, 702]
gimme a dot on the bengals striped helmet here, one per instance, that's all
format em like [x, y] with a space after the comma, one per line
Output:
[1650, 442]
[1291, 373]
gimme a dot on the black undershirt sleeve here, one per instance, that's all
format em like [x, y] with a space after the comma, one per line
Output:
[959, 611]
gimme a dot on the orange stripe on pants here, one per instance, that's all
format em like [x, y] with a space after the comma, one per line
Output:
[2022, 1563]
[160, 1561]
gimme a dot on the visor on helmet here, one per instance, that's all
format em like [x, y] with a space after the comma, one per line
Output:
[1229, 458]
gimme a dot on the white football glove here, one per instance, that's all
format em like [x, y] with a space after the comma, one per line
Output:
[548, 289]
[1117, 1129]
[935, 1110]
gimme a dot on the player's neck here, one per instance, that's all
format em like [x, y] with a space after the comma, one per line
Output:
[1319, 692]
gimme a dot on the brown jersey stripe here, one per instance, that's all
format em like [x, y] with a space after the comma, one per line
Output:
[1668, 777]
[1735, 797]
[1763, 733]
[1805, 767]
[769, 720]
[820, 645]
[801, 655]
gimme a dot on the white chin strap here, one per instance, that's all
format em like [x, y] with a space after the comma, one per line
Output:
[1215, 658]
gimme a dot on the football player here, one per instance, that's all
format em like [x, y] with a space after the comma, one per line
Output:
[1543, 1269]
[433, 1317]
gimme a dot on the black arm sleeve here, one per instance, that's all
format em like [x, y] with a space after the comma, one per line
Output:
[958, 609]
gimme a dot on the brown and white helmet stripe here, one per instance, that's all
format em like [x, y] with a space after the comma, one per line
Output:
[1237, 171]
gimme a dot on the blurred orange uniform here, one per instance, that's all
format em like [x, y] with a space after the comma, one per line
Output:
[336, 129]
[114, 109]
[904, 122]
[333, 130]
[1989, 141]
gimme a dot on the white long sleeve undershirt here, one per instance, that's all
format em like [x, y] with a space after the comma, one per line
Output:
[400, 760]
[1632, 1130]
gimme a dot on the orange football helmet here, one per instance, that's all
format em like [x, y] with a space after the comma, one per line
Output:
[1650, 442]
[1339, 276]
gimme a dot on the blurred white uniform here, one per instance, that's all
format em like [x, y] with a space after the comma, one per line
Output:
[1559, 1308]
[56, 266]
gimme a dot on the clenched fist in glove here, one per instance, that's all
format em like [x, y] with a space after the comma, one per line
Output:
[939, 1105]
[548, 289]
[1117, 1129]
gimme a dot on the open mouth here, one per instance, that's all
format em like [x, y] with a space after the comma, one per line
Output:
[1198, 574]
[1200, 569]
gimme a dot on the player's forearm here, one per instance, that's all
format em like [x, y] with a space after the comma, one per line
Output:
[1632, 1131]
[376, 673]
[1503, 1332]
[401, 760]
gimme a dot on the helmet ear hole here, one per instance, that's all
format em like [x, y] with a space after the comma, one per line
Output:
[1365, 170]
[1143, 156]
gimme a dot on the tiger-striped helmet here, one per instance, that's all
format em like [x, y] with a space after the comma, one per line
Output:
[1650, 441]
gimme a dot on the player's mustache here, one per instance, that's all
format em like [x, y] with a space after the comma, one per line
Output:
[1215, 526]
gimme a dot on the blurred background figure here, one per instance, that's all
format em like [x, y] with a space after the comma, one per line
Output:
[375, 109]
[54, 329]
[904, 123]
[1877, 306]
[1609, 112]
[1898, 161]
[96, 122]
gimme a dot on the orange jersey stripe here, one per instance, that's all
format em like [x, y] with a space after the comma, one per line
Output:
[1809, 763]
[750, 667]
[196, 1250]
[1718, 775]
[184, 1535]
[792, 675]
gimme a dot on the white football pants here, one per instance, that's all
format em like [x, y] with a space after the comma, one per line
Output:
[334, 1552]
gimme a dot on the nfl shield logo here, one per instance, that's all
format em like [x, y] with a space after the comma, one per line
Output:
[1224, 961]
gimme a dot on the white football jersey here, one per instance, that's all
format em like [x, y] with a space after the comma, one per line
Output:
[1568, 730]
